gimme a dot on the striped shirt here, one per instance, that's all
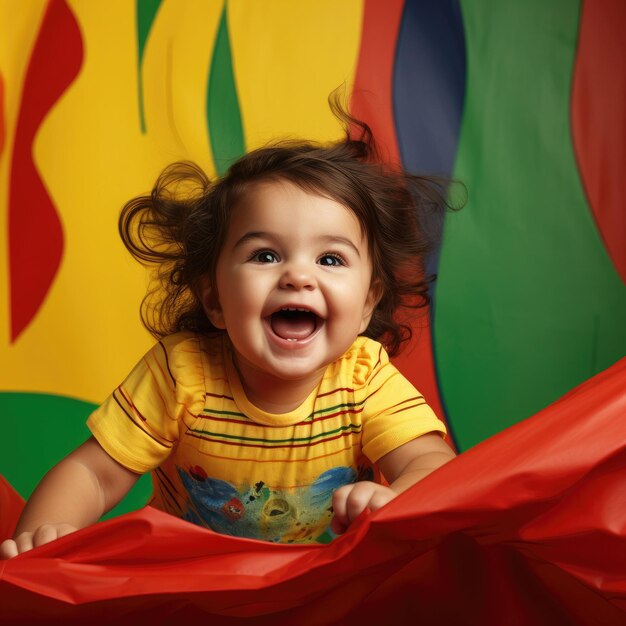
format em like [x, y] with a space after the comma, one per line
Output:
[219, 461]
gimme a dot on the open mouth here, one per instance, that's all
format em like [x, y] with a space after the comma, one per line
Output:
[294, 324]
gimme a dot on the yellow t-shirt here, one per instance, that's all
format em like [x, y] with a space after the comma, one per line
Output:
[221, 462]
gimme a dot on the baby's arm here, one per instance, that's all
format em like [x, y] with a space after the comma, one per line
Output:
[73, 494]
[402, 467]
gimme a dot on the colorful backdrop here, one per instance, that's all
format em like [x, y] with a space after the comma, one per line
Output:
[523, 101]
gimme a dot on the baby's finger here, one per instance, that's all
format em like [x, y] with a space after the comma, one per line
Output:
[379, 499]
[44, 534]
[8, 549]
[49, 532]
[357, 501]
[340, 520]
[65, 529]
[24, 542]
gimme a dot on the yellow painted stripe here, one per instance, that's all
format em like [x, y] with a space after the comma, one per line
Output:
[93, 157]
[175, 77]
[287, 58]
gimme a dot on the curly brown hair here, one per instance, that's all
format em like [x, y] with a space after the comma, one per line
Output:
[181, 226]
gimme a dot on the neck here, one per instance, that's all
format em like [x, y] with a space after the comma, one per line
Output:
[275, 395]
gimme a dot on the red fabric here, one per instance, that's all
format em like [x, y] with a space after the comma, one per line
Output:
[372, 101]
[598, 114]
[528, 527]
[11, 505]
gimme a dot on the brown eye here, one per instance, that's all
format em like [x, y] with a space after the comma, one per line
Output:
[331, 260]
[264, 256]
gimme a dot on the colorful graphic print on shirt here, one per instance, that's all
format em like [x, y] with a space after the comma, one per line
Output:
[260, 511]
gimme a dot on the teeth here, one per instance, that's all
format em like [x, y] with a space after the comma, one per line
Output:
[290, 308]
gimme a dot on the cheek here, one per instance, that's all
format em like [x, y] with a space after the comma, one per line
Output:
[242, 293]
[350, 304]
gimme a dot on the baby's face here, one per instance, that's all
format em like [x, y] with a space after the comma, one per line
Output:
[293, 282]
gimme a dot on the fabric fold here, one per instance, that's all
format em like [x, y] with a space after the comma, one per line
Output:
[528, 527]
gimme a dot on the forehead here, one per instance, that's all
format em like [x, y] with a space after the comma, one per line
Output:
[278, 205]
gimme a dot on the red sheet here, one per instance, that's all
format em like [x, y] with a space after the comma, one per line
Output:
[528, 527]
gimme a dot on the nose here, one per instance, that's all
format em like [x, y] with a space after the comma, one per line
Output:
[297, 276]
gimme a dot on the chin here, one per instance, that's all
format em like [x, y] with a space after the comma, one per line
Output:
[294, 373]
[291, 370]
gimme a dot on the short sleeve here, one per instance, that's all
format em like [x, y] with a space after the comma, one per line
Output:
[394, 411]
[138, 424]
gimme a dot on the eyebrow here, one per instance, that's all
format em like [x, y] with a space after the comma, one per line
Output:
[342, 240]
[255, 234]
[327, 240]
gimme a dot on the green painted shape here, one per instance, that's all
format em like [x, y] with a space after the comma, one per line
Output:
[39, 431]
[222, 107]
[146, 11]
[528, 303]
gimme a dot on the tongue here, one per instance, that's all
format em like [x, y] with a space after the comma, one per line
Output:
[293, 325]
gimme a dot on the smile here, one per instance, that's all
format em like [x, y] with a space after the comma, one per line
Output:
[295, 325]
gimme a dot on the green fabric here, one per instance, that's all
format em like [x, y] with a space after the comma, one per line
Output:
[528, 304]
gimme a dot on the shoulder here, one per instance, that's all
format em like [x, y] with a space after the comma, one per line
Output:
[360, 363]
[188, 358]
[188, 348]
[180, 343]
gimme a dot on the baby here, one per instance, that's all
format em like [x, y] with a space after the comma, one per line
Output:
[268, 408]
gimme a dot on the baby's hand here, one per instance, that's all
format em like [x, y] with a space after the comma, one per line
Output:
[350, 501]
[28, 540]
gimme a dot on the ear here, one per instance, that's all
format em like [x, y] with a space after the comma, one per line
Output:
[211, 303]
[374, 295]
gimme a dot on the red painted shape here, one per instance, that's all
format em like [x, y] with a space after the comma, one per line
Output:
[599, 120]
[373, 86]
[35, 230]
[372, 102]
